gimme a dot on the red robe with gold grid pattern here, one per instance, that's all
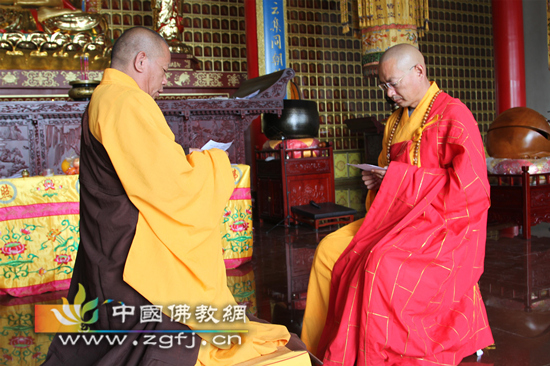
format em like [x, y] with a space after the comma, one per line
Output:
[405, 290]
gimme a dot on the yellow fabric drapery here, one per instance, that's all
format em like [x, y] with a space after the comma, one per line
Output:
[39, 233]
[381, 24]
[175, 253]
[236, 223]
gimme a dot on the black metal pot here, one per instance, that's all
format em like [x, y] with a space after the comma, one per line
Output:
[299, 119]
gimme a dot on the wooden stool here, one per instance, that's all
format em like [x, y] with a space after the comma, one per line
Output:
[328, 214]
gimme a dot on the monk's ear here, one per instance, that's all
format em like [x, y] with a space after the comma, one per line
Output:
[140, 61]
[420, 70]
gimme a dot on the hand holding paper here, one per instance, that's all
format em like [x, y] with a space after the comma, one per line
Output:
[367, 167]
[216, 145]
[372, 175]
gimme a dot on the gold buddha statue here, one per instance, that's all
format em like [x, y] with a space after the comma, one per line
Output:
[169, 24]
[50, 34]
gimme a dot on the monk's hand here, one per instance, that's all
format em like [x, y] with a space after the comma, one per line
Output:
[373, 179]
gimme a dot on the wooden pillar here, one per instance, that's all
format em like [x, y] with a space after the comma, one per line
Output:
[251, 28]
[509, 54]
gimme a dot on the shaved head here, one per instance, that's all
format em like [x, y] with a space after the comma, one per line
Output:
[133, 41]
[402, 71]
[405, 56]
[145, 56]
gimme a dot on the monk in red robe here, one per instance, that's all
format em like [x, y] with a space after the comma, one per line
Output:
[404, 289]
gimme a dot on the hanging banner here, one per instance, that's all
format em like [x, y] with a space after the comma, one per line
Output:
[274, 35]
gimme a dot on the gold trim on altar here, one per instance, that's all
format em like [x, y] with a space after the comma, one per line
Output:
[57, 51]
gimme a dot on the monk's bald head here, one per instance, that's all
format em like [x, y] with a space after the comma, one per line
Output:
[134, 41]
[404, 55]
[143, 55]
[402, 75]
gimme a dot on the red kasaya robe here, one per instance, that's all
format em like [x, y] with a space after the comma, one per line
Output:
[405, 290]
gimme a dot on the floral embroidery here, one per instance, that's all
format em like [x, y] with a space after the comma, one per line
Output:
[17, 329]
[49, 185]
[239, 226]
[52, 234]
[49, 188]
[239, 235]
[62, 258]
[63, 241]
[13, 248]
[15, 244]
[21, 342]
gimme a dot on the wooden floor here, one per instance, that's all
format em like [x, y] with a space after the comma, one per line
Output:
[513, 268]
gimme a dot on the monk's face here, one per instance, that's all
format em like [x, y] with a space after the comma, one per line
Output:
[403, 85]
[156, 73]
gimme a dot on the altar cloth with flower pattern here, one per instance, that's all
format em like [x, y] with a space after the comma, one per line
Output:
[39, 231]
[236, 226]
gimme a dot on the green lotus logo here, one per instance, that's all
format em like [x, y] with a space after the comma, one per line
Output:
[76, 313]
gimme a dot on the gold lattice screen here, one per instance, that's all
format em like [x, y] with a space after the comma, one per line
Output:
[328, 62]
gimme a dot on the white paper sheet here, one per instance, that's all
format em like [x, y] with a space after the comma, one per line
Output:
[367, 167]
[216, 145]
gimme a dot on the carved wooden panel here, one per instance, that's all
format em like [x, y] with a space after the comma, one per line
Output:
[307, 166]
[540, 196]
[39, 135]
[17, 141]
[301, 180]
[304, 190]
[59, 138]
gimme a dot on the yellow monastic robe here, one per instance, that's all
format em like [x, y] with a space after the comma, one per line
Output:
[176, 254]
[332, 246]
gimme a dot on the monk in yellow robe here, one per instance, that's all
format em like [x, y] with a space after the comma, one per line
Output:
[150, 231]
[353, 314]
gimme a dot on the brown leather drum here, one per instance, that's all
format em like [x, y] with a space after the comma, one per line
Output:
[519, 133]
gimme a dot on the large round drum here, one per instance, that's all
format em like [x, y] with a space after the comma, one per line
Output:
[299, 119]
[519, 133]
